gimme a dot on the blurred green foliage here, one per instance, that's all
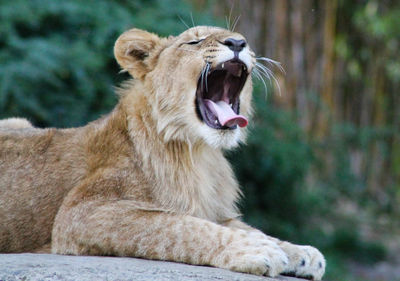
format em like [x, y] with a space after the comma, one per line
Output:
[57, 69]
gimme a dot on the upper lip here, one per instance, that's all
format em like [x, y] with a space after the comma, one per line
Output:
[224, 82]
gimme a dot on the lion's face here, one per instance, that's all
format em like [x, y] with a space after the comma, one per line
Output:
[199, 83]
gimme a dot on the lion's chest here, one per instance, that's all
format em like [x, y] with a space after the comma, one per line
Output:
[206, 188]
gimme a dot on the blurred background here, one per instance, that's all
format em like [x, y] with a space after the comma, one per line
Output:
[322, 163]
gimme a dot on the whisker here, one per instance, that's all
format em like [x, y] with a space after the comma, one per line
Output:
[262, 71]
[265, 71]
[272, 62]
[263, 67]
[277, 84]
[207, 69]
[191, 16]
[227, 23]
[268, 72]
[202, 76]
[259, 77]
[235, 23]
[230, 15]
[187, 26]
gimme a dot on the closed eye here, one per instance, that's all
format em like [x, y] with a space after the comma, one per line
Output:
[194, 42]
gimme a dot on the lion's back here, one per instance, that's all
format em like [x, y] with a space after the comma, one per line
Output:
[30, 163]
[15, 123]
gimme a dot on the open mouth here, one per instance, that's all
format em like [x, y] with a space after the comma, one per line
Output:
[217, 95]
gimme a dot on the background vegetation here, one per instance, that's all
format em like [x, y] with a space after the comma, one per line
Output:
[322, 164]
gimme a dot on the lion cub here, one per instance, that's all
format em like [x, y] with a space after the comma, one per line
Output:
[148, 180]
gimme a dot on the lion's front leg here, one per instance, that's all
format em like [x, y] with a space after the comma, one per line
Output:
[304, 261]
[117, 228]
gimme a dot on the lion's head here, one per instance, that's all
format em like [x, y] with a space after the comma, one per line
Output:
[198, 83]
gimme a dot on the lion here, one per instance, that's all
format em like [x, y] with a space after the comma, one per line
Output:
[149, 179]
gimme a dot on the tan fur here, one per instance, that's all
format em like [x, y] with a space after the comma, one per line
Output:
[15, 123]
[148, 180]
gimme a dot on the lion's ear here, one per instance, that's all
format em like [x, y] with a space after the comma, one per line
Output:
[132, 49]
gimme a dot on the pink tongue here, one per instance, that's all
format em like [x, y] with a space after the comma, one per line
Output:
[226, 116]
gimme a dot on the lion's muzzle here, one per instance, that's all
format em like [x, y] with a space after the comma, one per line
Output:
[218, 92]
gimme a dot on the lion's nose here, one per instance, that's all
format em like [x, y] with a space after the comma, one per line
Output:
[235, 45]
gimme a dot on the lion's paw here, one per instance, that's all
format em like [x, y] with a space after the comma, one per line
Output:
[255, 256]
[304, 261]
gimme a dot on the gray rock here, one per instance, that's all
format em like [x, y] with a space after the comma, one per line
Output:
[37, 267]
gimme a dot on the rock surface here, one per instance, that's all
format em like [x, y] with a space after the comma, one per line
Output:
[56, 267]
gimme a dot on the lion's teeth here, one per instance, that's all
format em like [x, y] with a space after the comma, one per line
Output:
[230, 105]
[223, 65]
[216, 121]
